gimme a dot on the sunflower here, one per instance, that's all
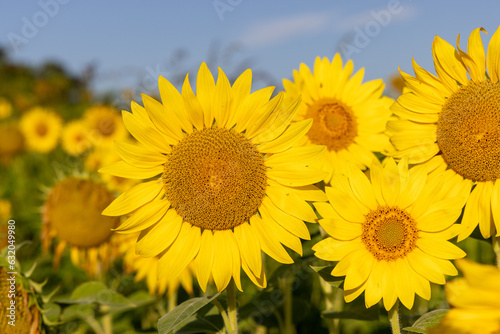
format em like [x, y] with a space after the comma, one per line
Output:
[474, 301]
[41, 128]
[16, 307]
[390, 233]
[11, 141]
[72, 213]
[349, 116]
[5, 108]
[231, 183]
[146, 268]
[74, 138]
[104, 125]
[451, 121]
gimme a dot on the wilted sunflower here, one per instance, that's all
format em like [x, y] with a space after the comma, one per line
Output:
[104, 125]
[452, 121]
[230, 185]
[349, 116]
[41, 129]
[146, 268]
[74, 138]
[23, 314]
[72, 213]
[390, 233]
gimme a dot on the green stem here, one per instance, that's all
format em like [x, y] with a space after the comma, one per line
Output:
[232, 311]
[394, 318]
[496, 248]
[334, 300]
[286, 287]
[172, 301]
[107, 320]
[94, 324]
[223, 314]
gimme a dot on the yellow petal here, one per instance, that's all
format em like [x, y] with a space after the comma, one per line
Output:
[174, 105]
[303, 155]
[281, 234]
[123, 169]
[182, 251]
[288, 222]
[288, 201]
[223, 260]
[475, 49]
[440, 248]
[249, 246]
[144, 217]
[331, 249]
[341, 229]
[269, 242]
[145, 132]
[205, 90]
[358, 273]
[361, 187]
[290, 136]
[296, 176]
[493, 57]
[133, 198]
[240, 90]
[204, 260]
[425, 266]
[161, 236]
[404, 286]
[139, 156]
[448, 66]
[165, 120]
[345, 205]
[192, 105]
[221, 99]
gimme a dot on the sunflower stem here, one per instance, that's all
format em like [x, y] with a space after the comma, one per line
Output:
[232, 310]
[172, 301]
[286, 287]
[223, 314]
[394, 318]
[496, 248]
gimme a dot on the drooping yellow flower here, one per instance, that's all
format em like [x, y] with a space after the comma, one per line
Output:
[146, 268]
[451, 121]
[104, 125]
[5, 108]
[74, 138]
[474, 301]
[41, 128]
[72, 214]
[349, 116]
[390, 233]
[231, 183]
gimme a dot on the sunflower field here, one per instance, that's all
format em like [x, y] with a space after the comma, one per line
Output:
[208, 206]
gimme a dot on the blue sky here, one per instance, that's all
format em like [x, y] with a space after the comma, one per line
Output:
[131, 42]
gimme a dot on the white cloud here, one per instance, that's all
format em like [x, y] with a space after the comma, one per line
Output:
[285, 28]
[347, 23]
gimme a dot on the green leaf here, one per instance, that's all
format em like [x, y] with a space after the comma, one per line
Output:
[96, 292]
[427, 321]
[181, 313]
[324, 272]
[206, 324]
[50, 314]
[88, 290]
[78, 311]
